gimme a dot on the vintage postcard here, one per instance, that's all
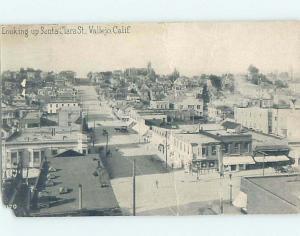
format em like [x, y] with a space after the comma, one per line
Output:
[141, 119]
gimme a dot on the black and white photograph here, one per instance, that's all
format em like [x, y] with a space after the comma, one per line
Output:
[150, 119]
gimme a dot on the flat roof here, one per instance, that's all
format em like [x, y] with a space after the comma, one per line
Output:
[259, 139]
[285, 187]
[45, 134]
[72, 171]
[195, 138]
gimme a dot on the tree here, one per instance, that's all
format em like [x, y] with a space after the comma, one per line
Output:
[205, 97]
[216, 81]
[175, 75]
[253, 70]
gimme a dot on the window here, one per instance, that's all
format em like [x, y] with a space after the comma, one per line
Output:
[236, 148]
[203, 151]
[14, 157]
[56, 105]
[73, 104]
[213, 150]
[198, 107]
[50, 105]
[226, 148]
[62, 105]
[36, 157]
[247, 147]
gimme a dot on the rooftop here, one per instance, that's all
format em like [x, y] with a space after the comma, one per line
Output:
[286, 188]
[45, 135]
[72, 171]
[33, 115]
[195, 138]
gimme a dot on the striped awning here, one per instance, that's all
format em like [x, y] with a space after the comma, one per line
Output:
[237, 160]
[271, 158]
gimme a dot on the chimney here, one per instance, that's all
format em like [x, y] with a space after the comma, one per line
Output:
[80, 196]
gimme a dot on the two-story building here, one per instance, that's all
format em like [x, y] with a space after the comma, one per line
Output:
[54, 106]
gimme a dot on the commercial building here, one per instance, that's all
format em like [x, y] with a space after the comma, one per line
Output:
[269, 195]
[236, 148]
[255, 118]
[188, 149]
[32, 146]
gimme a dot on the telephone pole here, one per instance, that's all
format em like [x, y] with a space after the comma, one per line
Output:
[133, 188]
[221, 169]
[166, 150]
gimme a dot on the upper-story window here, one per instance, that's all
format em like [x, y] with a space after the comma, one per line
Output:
[236, 148]
[14, 157]
[247, 147]
[213, 150]
[204, 151]
[226, 148]
[198, 107]
[36, 157]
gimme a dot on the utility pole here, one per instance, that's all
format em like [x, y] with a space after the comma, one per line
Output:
[230, 186]
[133, 188]
[94, 134]
[264, 165]
[106, 146]
[220, 160]
[80, 197]
[166, 150]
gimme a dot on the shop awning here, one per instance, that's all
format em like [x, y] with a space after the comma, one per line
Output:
[237, 160]
[271, 158]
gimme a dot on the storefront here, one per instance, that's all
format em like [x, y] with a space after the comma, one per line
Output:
[204, 166]
[272, 161]
[237, 163]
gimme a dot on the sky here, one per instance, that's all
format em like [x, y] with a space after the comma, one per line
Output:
[192, 48]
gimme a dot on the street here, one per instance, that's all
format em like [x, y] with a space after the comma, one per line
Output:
[158, 191]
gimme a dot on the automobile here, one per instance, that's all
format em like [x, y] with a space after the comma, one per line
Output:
[64, 190]
[284, 169]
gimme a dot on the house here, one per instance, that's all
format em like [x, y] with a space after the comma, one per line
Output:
[189, 103]
[54, 106]
[159, 104]
[157, 93]
[133, 97]
[144, 93]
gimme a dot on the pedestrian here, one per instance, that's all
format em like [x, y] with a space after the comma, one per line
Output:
[156, 183]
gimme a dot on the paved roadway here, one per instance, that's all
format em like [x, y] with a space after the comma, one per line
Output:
[158, 192]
